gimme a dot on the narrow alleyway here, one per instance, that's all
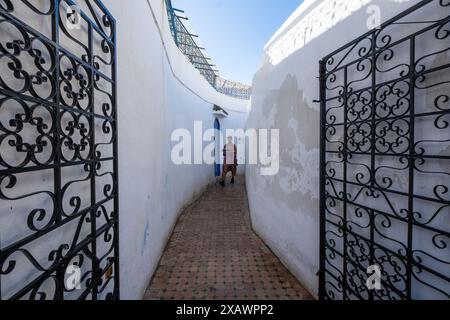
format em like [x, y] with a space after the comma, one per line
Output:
[214, 254]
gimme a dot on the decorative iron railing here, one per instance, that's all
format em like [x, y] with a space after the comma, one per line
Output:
[188, 46]
[58, 151]
[385, 161]
[233, 88]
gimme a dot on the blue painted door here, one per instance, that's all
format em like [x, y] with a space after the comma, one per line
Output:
[217, 150]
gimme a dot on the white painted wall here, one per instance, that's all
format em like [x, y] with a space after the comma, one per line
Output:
[159, 91]
[285, 207]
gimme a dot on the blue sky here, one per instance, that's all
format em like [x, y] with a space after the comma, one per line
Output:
[234, 32]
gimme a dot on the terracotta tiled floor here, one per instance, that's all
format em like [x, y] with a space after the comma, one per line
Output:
[214, 254]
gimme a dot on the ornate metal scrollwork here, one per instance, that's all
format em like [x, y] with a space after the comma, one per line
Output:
[58, 152]
[385, 160]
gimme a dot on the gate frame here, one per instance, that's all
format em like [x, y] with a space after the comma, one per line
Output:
[112, 268]
[413, 74]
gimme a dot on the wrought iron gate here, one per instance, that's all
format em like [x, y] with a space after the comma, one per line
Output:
[58, 151]
[385, 161]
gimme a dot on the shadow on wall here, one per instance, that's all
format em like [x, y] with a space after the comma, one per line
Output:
[285, 207]
[296, 184]
[314, 18]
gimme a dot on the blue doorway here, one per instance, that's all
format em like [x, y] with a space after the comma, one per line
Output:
[217, 149]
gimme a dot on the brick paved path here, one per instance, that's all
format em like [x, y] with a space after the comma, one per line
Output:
[214, 254]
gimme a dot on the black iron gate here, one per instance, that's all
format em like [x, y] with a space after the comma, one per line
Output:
[58, 151]
[385, 161]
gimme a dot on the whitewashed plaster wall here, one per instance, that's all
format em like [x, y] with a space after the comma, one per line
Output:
[285, 207]
[159, 91]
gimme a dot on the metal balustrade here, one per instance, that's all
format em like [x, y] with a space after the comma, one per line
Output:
[197, 56]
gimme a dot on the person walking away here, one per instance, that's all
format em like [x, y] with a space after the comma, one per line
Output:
[230, 161]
